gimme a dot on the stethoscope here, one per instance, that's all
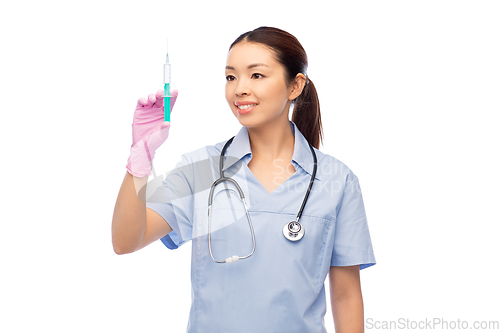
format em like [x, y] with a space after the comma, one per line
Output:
[292, 231]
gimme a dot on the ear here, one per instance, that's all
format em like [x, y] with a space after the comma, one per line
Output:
[297, 86]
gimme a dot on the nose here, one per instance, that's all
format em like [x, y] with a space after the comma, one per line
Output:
[242, 88]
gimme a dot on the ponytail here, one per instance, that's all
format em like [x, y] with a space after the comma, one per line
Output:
[306, 115]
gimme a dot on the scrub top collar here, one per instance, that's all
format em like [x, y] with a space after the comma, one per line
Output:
[240, 147]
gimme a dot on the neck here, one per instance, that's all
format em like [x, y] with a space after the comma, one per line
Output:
[272, 141]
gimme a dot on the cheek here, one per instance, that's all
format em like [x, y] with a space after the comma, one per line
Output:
[229, 95]
[230, 98]
[275, 87]
[277, 93]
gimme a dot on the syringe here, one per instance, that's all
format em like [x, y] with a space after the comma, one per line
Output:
[166, 81]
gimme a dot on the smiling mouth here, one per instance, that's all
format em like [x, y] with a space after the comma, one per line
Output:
[244, 107]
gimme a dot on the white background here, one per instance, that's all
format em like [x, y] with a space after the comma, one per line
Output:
[409, 94]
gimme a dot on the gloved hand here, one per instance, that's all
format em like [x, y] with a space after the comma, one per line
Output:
[149, 131]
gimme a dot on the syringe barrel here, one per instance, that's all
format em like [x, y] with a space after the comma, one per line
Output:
[166, 73]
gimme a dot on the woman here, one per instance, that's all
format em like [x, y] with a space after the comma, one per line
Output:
[273, 277]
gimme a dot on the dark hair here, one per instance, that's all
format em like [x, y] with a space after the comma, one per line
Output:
[290, 53]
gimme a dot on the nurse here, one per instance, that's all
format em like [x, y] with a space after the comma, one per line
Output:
[280, 286]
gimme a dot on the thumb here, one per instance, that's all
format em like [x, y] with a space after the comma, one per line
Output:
[162, 132]
[174, 93]
[156, 138]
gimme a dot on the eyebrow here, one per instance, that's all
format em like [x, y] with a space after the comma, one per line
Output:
[249, 67]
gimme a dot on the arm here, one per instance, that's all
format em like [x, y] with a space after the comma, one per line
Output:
[346, 299]
[133, 225]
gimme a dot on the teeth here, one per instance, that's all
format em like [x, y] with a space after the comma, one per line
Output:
[243, 107]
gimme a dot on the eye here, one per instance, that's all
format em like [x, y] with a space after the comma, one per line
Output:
[257, 76]
[230, 78]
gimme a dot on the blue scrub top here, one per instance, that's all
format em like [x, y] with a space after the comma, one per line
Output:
[280, 288]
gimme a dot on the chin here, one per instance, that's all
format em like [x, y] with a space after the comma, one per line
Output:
[246, 122]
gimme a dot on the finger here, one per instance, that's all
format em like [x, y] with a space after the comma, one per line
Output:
[151, 99]
[142, 102]
[159, 98]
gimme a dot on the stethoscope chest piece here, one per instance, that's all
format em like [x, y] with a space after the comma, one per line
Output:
[293, 231]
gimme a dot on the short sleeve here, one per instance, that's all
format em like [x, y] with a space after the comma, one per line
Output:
[352, 243]
[174, 201]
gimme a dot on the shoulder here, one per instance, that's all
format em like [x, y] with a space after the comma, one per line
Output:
[331, 169]
[202, 153]
[196, 168]
[201, 163]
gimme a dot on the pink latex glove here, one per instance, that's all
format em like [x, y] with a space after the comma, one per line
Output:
[149, 131]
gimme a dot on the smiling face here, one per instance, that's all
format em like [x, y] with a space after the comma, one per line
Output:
[256, 90]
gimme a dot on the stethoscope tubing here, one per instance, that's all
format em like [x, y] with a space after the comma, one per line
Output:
[242, 199]
[209, 228]
[310, 182]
